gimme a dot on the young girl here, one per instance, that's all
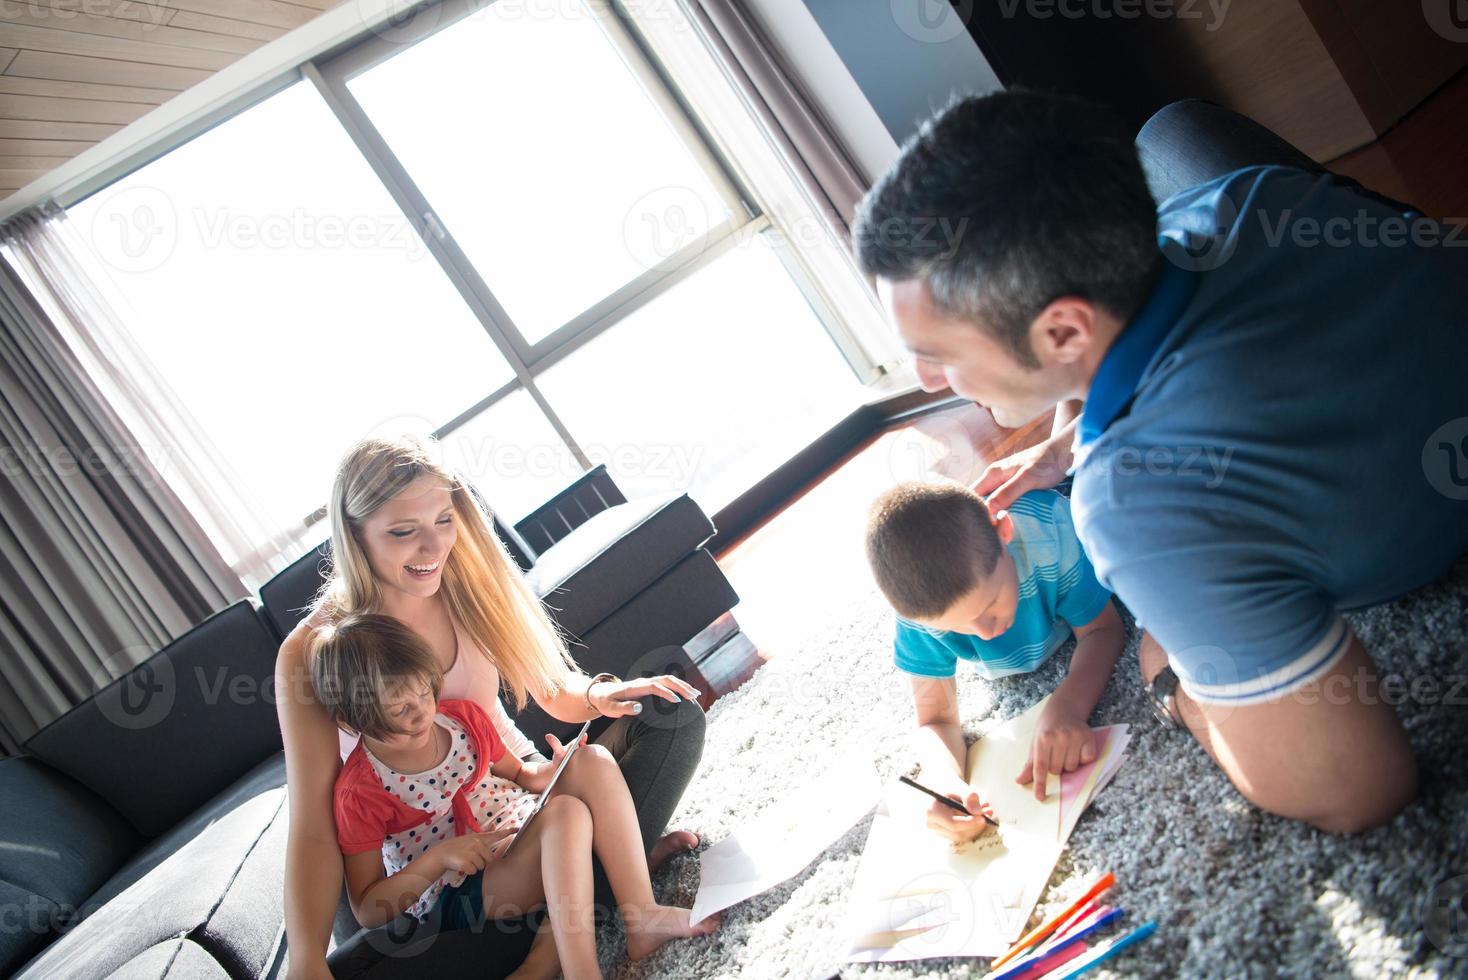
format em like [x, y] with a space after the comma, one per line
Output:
[425, 802]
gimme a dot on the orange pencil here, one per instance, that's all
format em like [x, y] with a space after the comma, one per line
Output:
[1103, 883]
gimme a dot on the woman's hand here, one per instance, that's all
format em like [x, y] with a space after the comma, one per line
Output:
[1037, 468]
[958, 827]
[469, 853]
[1063, 743]
[615, 699]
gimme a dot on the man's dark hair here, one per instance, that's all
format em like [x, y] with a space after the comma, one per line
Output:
[928, 545]
[1006, 202]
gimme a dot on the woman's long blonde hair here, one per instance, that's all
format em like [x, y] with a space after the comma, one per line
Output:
[486, 593]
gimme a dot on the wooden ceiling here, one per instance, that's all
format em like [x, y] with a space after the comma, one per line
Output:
[73, 72]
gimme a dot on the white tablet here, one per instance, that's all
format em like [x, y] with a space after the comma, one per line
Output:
[572, 746]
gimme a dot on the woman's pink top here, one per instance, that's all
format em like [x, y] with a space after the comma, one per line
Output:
[473, 677]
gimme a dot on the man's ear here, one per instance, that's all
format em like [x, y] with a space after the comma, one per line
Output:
[1003, 526]
[1064, 330]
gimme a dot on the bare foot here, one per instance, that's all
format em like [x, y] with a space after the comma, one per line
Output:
[678, 842]
[541, 963]
[648, 930]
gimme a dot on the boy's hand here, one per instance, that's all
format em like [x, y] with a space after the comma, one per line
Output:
[536, 777]
[1063, 743]
[956, 826]
[469, 853]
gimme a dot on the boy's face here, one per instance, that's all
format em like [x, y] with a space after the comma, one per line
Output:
[987, 610]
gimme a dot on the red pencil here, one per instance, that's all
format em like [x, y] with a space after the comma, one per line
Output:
[1103, 883]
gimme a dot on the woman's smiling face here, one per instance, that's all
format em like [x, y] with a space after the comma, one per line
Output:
[408, 539]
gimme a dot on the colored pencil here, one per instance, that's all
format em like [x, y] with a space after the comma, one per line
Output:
[1105, 952]
[1102, 883]
[946, 801]
[1020, 967]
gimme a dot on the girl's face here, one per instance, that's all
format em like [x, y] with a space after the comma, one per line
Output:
[408, 539]
[411, 708]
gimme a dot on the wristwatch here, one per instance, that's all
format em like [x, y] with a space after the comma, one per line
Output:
[1162, 693]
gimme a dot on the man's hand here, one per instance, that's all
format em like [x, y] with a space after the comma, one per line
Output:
[1063, 743]
[955, 826]
[1037, 468]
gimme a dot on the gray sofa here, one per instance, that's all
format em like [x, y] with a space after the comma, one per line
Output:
[145, 830]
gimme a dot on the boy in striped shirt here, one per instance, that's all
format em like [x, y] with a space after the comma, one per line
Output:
[1002, 591]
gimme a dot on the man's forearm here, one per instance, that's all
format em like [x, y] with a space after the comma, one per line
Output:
[1066, 414]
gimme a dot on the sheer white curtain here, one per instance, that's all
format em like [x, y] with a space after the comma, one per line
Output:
[774, 135]
[91, 315]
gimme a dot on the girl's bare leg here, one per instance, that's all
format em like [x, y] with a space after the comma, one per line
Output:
[542, 962]
[551, 865]
[592, 776]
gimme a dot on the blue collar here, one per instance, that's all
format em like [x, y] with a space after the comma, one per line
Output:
[1121, 368]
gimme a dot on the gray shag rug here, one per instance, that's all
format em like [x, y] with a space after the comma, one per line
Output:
[1236, 892]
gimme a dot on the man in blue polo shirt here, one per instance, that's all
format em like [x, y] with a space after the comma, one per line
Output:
[1275, 422]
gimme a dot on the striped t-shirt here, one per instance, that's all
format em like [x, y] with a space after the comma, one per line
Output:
[1057, 590]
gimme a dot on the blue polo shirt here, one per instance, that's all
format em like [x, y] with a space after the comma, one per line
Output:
[1057, 589]
[1281, 432]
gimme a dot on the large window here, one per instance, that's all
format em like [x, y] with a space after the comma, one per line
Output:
[503, 229]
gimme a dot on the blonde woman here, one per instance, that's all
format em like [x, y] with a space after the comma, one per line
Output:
[410, 541]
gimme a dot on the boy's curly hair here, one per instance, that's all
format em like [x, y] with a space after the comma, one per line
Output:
[928, 545]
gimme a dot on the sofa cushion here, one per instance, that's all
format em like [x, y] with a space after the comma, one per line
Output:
[176, 960]
[202, 891]
[178, 728]
[615, 555]
[61, 842]
[287, 597]
[646, 635]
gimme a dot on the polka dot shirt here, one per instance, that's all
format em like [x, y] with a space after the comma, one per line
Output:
[494, 802]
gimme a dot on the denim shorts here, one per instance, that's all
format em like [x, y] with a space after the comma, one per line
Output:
[463, 905]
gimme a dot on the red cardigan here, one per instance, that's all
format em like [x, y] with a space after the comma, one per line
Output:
[366, 813]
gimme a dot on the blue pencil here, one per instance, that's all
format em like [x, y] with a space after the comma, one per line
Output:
[1020, 966]
[1077, 967]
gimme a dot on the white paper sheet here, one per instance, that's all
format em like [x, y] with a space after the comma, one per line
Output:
[781, 841]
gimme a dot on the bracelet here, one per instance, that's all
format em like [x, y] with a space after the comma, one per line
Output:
[597, 680]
